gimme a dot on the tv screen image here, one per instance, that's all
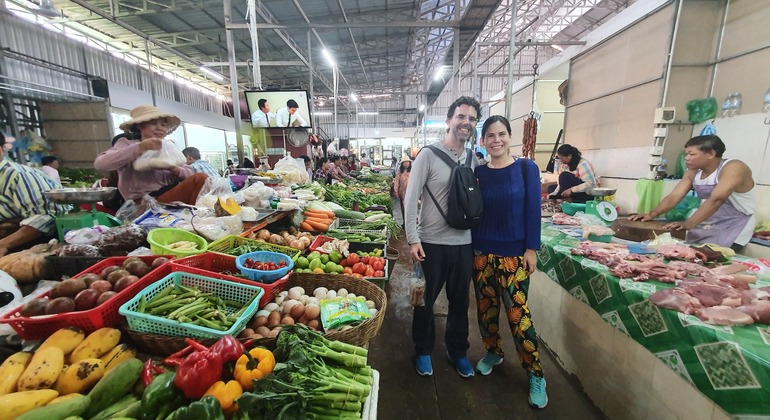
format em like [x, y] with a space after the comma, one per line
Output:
[279, 108]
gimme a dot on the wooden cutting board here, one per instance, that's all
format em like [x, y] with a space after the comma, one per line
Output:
[642, 231]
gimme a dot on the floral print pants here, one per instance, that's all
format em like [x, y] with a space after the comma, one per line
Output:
[497, 278]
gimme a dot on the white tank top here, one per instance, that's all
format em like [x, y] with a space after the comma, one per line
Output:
[743, 202]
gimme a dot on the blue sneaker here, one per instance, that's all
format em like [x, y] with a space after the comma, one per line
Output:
[424, 365]
[537, 396]
[462, 366]
[490, 360]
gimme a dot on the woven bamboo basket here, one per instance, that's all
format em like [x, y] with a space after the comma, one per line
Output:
[359, 335]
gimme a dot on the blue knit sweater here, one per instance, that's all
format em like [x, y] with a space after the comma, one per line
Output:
[507, 228]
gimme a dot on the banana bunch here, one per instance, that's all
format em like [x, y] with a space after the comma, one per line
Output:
[183, 246]
[69, 362]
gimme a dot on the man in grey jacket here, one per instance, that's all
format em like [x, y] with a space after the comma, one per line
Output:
[445, 253]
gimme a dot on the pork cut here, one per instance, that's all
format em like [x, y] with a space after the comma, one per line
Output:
[712, 295]
[563, 219]
[723, 315]
[759, 311]
[680, 252]
[676, 299]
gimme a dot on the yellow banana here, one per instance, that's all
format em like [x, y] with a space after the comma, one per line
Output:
[13, 405]
[11, 370]
[66, 339]
[96, 345]
[117, 355]
[80, 376]
[43, 370]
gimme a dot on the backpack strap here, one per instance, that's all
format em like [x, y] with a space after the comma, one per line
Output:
[436, 151]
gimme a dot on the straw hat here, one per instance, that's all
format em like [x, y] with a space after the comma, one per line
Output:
[406, 158]
[145, 113]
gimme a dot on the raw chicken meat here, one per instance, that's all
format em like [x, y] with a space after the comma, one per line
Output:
[712, 295]
[563, 219]
[751, 295]
[730, 269]
[676, 299]
[759, 311]
[682, 252]
[723, 315]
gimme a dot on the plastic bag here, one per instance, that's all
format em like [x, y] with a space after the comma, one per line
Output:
[291, 170]
[257, 195]
[212, 190]
[417, 286]
[338, 312]
[166, 157]
[699, 110]
[85, 236]
[663, 239]
[213, 228]
[684, 209]
[649, 193]
[129, 211]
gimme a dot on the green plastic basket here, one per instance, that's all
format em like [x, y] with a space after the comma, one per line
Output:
[229, 244]
[236, 292]
[160, 238]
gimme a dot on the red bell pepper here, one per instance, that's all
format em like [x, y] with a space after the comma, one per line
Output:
[198, 372]
[228, 347]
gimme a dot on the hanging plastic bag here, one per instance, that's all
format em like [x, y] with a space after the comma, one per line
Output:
[649, 193]
[417, 286]
[699, 110]
[213, 228]
[292, 170]
[212, 190]
[682, 211]
[166, 157]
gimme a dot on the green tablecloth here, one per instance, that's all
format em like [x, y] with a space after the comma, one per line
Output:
[730, 365]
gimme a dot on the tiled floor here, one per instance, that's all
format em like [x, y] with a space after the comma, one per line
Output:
[445, 395]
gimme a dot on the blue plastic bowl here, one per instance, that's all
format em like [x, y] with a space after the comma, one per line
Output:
[263, 276]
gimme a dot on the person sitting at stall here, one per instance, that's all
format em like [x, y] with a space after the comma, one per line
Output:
[336, 170]
[230, 168]
[50, 165]
[351, 163]
[575, 175]
[308, 166]
[323, 172]
[726, 189]
[27, 217]
[262, 166]
[247, 163]
[146, 130]
[365, 161]
[198, 165]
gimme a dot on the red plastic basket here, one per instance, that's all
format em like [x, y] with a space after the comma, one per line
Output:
[212, 262]
[104, 315]
[318, 242]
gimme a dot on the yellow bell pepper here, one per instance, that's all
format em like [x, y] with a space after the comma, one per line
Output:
[254, 365]
[226, 394]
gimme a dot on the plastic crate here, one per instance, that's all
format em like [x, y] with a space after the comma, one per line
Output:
[381, 281]
[265, 276]
[69, 266]
[160, 237]
[104, 315]
[227, 290]
[228, 244]
[353, 247]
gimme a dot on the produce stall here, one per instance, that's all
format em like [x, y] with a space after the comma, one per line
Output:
[221, 310]
[615, 317]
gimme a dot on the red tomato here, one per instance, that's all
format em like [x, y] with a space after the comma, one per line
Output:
[344, 262]
[359, 268]
[365, 259]
[377, 264]
[369, 271]
[379, 273]
[352, 259]
[347, 270]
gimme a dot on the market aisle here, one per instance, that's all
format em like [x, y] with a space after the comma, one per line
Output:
[503, 394]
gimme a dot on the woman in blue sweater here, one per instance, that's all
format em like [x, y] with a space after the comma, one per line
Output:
[505, 245]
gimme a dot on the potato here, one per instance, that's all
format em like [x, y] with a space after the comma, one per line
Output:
[60, 305]
[86, 299]
[71, 287]
[157, 262]
[117, 275]
[106, 272]
[102, 286]
[125, 282]
[34, 307]
[90, 278]
[104, 297]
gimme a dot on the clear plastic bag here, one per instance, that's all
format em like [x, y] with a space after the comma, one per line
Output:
[417, 286]
[212, 190]
[166, 157]
[213, 228]
[291, 170]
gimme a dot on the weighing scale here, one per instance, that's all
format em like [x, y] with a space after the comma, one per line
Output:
[82, 219]
[600, 208]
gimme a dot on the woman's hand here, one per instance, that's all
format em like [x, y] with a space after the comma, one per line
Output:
[152, 143]
[530, 261]
[641, 217]
[566, 193]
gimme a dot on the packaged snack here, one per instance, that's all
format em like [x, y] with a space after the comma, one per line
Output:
[337, 312]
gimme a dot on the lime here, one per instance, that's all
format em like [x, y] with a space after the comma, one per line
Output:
[303, 262]
[339, 269]
[335, 256]
[330, 267]
[315, 264]
[324, 258]
[313, 255]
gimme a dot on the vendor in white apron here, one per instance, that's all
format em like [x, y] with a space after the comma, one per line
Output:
[726, 190]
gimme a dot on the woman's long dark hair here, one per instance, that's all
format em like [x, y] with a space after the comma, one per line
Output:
[133, 133]
[567, 150]
[402, 168]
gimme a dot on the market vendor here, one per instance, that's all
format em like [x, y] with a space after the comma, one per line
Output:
[726, 188]
[575, 175]
[26, 216]
[146, 130]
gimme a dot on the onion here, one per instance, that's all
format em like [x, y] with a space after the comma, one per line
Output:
[303, 299]
[270, 307]
[343, 292]
[295, 293]
[263, 312]
[263, 234]
[288, 305]
[283, 233]
[296, 244]
[276, 239]
[312, 300]
[320, 292]
[331, 294]
[371, 304]
[305, 241]
[279, 300]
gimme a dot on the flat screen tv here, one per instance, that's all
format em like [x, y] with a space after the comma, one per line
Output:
[279, 108]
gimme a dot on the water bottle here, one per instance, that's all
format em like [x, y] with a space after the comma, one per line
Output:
[766, 105]
[727, 106]
[736, 104]
[663, 169]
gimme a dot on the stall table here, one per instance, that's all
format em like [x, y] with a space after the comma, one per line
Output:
[570, 297]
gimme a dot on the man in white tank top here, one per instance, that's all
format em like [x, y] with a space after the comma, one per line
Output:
[725, 187]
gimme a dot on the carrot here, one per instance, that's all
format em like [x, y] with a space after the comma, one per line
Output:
[320, 213]
[317, 216]
[306, 226]
[317, 220]
[317, 226]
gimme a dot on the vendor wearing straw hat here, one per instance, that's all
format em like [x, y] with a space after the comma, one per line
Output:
[146, 130]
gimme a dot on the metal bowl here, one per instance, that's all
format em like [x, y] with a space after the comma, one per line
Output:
[601, 192]
[80, 195]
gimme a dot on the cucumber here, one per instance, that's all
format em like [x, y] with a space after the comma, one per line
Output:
[349, 214]
[70, 408]
[113, 386]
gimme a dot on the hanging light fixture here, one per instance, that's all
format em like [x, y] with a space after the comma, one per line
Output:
[47, 10]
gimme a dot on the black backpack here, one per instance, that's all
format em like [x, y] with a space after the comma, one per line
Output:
[464, 203]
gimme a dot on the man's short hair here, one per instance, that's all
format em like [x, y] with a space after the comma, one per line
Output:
[479, 155]
[261, 103]
[193, 152]
[707, 143]
[291, 103]
[47, 160]
[464, 100]
[305, 158]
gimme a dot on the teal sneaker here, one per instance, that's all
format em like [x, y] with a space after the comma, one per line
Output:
[423, 365]
[537, 396]
[485, 365]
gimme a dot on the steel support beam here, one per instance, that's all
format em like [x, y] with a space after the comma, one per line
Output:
[351, 25]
